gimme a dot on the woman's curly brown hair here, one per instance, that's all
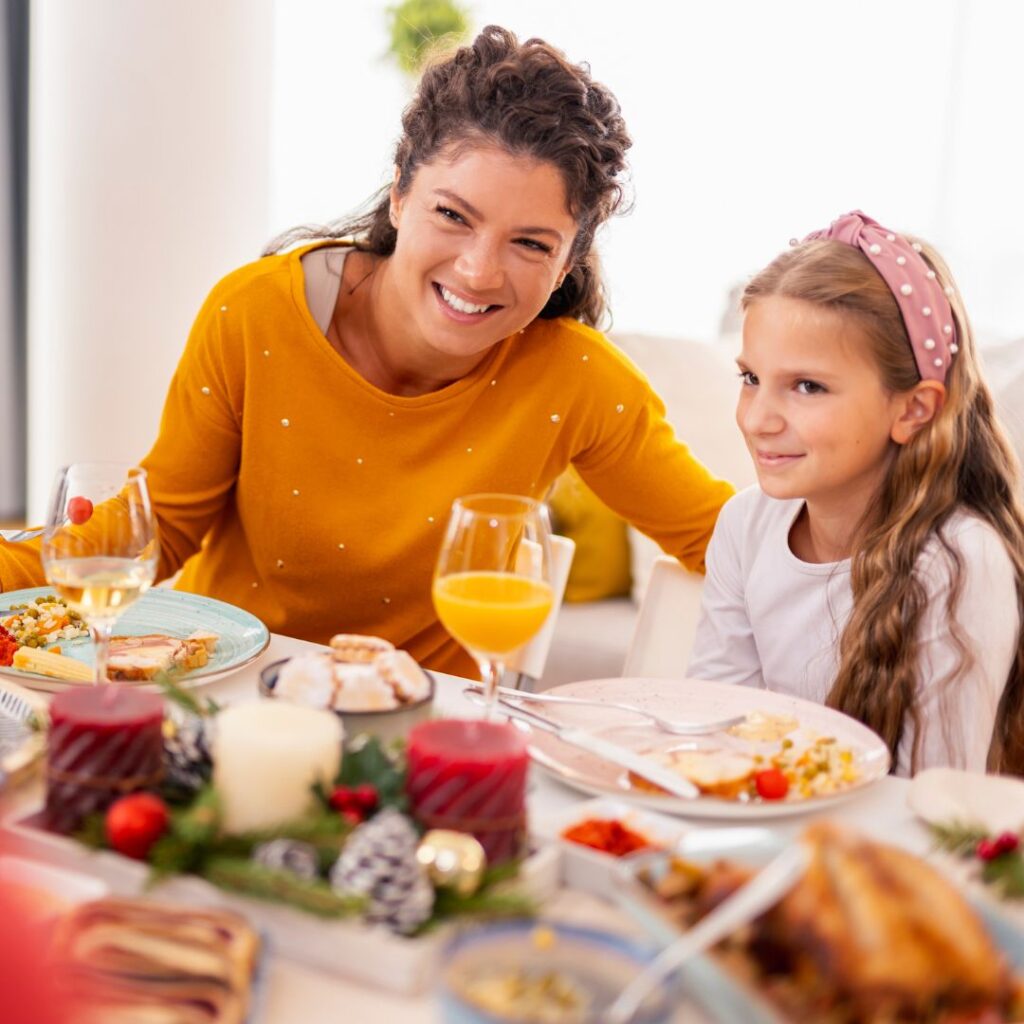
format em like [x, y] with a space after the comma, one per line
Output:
[527, 99]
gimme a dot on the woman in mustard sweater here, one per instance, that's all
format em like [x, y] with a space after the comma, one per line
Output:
[334, 399]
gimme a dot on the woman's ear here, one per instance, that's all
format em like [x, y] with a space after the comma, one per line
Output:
[917, 408]
[395, 199]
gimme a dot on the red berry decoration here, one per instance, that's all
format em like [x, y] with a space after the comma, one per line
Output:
[79, 510]
[987, 849]
[342, 798]
[353, 816]
[771, 784]
[134, 823]
[1008, 842]
[365, 797]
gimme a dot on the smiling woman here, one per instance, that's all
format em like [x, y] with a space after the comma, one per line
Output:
[335, 397]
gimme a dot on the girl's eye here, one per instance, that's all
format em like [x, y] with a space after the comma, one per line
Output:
[449, 214]
[749, 379]
[809, 387]
[532, 243]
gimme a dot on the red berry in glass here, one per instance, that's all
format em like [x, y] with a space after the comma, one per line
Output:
[79, 510]
[134, 823]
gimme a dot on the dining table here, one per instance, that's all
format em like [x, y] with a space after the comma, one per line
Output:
[293, 992]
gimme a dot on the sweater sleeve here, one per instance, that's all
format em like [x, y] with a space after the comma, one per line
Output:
[651, 479]
[960, 690]
[193, 466]
[724, 649]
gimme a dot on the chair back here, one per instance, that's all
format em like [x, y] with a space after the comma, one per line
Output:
[667, 622]
[528, 662]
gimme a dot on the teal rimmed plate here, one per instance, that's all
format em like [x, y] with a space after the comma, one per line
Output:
[241, 636]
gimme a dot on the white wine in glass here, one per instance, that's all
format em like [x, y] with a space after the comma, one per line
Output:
[492, 586]
[100, 547]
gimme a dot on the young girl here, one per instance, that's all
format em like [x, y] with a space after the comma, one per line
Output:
[879, 566]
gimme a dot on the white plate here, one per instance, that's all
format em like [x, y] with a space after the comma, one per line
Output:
[696, 701]
[947, 796]
[241, 637]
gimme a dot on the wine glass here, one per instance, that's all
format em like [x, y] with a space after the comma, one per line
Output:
[492, 585]
[100, 546]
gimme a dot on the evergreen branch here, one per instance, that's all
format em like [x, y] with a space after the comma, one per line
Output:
[251, 879]
[957, 837]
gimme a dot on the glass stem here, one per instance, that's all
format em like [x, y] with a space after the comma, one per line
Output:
[491, 673]
[101, 641]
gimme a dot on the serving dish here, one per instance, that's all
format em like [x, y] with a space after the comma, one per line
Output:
[387, 726]
[241, 637]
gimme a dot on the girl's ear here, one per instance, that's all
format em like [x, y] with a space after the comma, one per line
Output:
[916, 409]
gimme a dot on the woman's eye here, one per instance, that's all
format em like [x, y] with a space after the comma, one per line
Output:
[532, 243]
[748, 378]
[449, 214]
[809, 387]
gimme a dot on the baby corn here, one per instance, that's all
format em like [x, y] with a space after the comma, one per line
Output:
[46, 663]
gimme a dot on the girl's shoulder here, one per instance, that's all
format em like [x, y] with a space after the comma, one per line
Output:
[753, 511]
[971, 539]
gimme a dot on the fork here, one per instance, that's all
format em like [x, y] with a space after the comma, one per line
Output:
[665, 724]
[16, 536]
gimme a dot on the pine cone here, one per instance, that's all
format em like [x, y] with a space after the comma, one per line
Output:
[379, 862]
[188, 763]
[288, 855]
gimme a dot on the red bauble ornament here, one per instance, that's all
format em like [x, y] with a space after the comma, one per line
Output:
[134, 823]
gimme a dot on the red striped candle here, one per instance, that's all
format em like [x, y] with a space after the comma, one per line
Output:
[470, 776]
[104, 741]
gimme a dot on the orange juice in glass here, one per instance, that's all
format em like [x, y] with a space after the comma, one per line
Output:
[492, 588]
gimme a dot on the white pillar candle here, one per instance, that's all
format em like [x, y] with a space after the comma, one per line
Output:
[266, 756]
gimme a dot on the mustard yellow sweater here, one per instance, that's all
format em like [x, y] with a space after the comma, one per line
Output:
[285, 483]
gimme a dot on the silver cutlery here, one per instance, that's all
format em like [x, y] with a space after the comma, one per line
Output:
[675, 728]
[748, 902]
[16, 536]
[645, 767]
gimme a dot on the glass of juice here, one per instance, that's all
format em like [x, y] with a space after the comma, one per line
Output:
[492, 585]
[100, 546]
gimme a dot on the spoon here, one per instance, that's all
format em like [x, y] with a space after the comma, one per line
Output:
[665, 724]
[751, 900]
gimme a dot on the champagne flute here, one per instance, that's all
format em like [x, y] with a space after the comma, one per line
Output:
[492, 585]
[100, 546]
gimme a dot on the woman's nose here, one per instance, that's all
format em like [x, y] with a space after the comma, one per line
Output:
[479, 266]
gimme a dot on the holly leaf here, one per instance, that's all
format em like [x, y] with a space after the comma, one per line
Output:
[370, 762]
[1006, 875]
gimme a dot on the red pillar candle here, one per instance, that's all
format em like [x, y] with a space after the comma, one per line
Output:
[104, 741]
[470, 776]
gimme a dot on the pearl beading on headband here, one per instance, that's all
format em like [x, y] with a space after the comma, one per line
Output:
[923, 302]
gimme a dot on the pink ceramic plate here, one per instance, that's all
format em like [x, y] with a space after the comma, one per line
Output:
[697, 701]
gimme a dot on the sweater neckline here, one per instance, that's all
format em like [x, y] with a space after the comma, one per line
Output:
[808, 568]
[479, 377]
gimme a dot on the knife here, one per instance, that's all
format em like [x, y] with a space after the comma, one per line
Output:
[613, 752]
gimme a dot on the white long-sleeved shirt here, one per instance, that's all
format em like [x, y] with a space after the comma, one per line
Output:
[772, 621]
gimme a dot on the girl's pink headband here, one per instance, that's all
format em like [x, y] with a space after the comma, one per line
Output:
[923, 302]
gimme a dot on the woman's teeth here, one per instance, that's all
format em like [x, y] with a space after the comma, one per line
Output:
[458, 304]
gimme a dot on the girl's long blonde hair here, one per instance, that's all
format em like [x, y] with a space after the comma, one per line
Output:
[962, 459]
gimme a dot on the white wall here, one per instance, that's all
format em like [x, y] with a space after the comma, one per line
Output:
[149, 127]
[753, 122]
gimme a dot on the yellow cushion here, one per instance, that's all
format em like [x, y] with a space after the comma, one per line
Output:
[600, 567]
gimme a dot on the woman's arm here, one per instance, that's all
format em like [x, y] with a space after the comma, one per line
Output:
[643, 472]
[958, 703]
[193, 465]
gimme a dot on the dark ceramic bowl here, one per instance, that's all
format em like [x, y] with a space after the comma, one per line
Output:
[385, 725]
